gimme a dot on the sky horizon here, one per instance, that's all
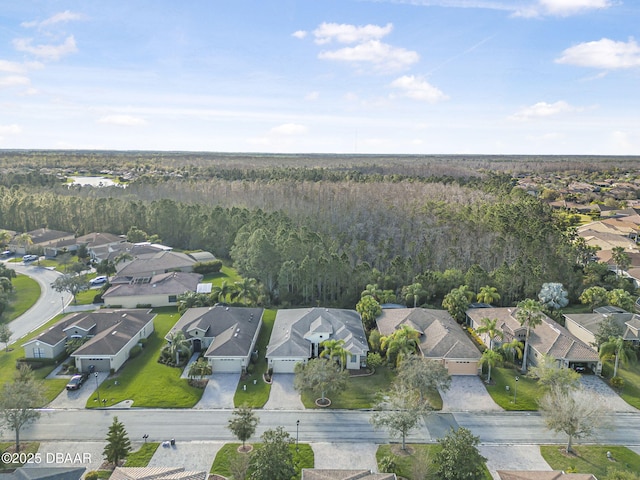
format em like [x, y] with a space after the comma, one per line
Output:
[486, 77]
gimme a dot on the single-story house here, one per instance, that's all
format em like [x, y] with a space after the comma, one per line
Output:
[98, 239]
[441, 338]
[45, 473]
[160, 290]
[42, 239]
[585, 325]
[298, 333]
[227, 335]
[110, 334]
[542, 475]
[547, 339]
[158, 262]
[156, 473]
[135, 250]
[331, 474]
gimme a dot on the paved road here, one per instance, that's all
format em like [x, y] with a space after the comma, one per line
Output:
[494, 428]
[48, 305]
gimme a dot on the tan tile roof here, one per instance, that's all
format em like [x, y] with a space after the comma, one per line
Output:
[156, 473]
[328, 474]
[542, 475]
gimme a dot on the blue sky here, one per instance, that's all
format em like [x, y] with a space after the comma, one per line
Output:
[325, 76]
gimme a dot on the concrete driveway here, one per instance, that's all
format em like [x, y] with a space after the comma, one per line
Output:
[192, 456]
[77, 398]
[467, 394]
[219, 391]
[283, 396]
[513, 457]
[349, 456]
[600, 389]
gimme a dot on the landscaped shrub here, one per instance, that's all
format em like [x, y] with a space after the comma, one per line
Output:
[214, 266]
[143, 305]
[387, 464]
[135, 351]
[92, 475]
[98, 298]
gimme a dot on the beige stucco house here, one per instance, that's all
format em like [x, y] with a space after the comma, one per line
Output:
[226, 335]
[586, 325]
[160, 290]
[441, 338]
[110, 335]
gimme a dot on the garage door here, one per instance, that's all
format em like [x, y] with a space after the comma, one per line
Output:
[284, 365]
[462, 368]
[227, 365]
[101, 365]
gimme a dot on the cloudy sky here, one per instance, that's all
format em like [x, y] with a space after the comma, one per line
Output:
[326, 76]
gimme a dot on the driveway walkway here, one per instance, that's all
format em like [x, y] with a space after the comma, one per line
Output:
[190, 455]
[77, 398]
[610, 398]
[283, 396]
[348, 456]
[219, 391]
[513, 457]
[467, 394]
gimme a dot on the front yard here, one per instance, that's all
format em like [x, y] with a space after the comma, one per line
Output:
[527, 393]
[591, 459]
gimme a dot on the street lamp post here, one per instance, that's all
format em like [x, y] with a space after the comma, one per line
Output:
[297, 431]
[62, 299]
[97, 387]
[515, 391]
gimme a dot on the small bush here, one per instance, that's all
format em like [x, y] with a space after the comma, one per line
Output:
[214, 266]
[135, 351]
[98, 298]
[92, 475]
[143, 305]
[387, 464]
[617, 383]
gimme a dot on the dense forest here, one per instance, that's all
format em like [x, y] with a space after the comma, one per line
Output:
[317, 229]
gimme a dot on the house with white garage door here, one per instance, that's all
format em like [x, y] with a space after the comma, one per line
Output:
[298, 333]
[227, 335]
[109, 337]
[441, 338]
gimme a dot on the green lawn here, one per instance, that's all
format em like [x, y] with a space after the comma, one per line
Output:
[142, 456]
[405, 462]
[591, 459]
[226, 273]
[527, 393]
[255, 396]
[631, 375]
[147, 382]
[303, 458]
[26, 292]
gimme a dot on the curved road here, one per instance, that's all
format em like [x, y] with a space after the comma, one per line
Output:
[48, 305]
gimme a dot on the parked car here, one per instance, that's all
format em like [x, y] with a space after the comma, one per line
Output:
[6, 253]
[29, 258]
[76, 382]
[98, 280]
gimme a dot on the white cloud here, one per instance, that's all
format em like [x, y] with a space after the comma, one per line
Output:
[604, 53]
[382, 56]
[14, 81]
[299, 34]
[61, 17]
[290, 129]
[345, 33]
[48, 52]
[123, 120]
[541, 110]
[10, 129]
[418, 89]
[562, 8]
[311, 96]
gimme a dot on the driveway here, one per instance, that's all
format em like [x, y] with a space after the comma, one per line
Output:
[283, 396]
[467, 394]
[219, 391]
[70, 454]
[601, 390]
[348, 456]
[77, 398]
[193, 456]
[513, 457]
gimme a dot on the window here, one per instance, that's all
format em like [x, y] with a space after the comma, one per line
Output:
[173, 298]
[38, 353]
[354, 358]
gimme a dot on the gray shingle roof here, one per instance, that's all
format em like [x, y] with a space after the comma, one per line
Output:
[172, 283]
[331, 474]
[158, 262]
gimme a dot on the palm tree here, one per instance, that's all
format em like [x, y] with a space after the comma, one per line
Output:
[246, 289]
[413, 293]
[122, 257]
[616, 346]
[400, 344]
[200, 369]
[620, 258]
[491, 358]
[5, 238]
[529, 314]
[372, 290]
[488, 295]
[25, 240]
[490, 327]
[178, 345]
[222, 291]
[512, 349]
[334, 349]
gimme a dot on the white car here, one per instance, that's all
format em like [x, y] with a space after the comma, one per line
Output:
[98, 280]
[29, 258]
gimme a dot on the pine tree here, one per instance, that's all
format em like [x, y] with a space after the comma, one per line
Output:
[118, 444]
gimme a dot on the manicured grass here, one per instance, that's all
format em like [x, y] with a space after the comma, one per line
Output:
[86, 297]
[527, 394]
[405, 462]
[142, 456]
[226, 273]
[591, 459]
[26, 292]
[28, 448]
[147, 382]
[302, 458]
[257, 395]
[630, 392]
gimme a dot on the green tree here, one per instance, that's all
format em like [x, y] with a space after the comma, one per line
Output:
[246, 290]
[423, 375]
[621, 298]
[413, 293]
[400, 412]
[576, 413]
[553, 296]
[456, 302]
[620, 350]
[19, 401]
[178, 346]
[490, 327]
[5, 335]
[490, 358]
[135, 235]
[5, 238]
[73, 284]
[72, 344]
[274, 459]
[372, 290]
[118, 444]
[106, 267]
[200, 369]
[595, 296]
[488, 294]
[512, 350]
[25, 240]
[621, 259]
[334, 350]
[551, 376]
[529, 314]
[369, 309]
[459, 458]
[375, 340]
[243, 423]
[320, 377]
[607, 328]
[220, 293]
[400, 344]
